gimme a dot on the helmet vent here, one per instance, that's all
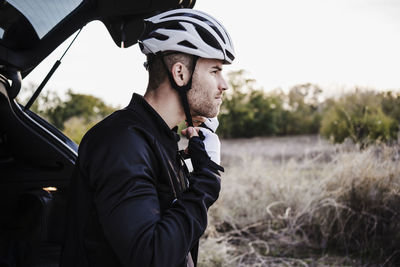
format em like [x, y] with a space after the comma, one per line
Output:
[187, 44]
[218, 32]
[175, 26]
[159, 36]
[229, 55]
[208, 38]
[199, 18]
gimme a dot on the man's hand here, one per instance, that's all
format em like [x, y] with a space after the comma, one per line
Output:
[190, 132]
[211, 141]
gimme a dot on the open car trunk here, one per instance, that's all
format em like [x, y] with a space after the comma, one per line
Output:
[36, 159]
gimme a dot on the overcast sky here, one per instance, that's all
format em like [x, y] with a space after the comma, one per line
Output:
[334, 43]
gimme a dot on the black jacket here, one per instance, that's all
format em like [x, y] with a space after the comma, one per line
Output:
[131, 201]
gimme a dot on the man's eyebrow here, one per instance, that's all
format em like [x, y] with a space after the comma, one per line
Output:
[217, 67]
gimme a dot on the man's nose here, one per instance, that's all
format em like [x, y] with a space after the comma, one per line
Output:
[223, 85]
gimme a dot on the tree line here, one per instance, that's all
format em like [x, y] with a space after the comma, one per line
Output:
[247, 111]
[362, 116]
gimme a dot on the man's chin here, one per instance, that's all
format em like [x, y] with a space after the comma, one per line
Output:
[208, 114]
[213, 114]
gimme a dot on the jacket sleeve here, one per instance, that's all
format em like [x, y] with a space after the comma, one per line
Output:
[123, 175]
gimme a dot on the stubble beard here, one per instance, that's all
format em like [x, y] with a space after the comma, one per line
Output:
[201, 103]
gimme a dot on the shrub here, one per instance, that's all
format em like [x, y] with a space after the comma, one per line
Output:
[359, 117]
[391, 104]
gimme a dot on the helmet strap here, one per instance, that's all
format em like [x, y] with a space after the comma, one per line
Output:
[182, 90]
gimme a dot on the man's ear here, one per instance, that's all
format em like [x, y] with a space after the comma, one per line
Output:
[180, 73]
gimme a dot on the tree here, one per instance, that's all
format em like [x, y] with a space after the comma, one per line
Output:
[88, 107]
[74, 115]
[304, 114]
[246, 111]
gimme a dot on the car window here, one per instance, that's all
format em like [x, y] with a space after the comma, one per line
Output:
[43, 15]
[33, 19]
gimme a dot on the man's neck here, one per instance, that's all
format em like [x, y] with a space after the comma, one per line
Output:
[166, 102]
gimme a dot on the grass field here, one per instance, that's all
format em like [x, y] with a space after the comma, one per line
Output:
[300, 201]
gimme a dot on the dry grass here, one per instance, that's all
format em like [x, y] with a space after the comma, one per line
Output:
[303, 202]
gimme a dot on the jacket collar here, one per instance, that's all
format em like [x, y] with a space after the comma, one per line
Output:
[153, 120]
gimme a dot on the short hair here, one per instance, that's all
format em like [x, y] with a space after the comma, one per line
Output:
[157, 68]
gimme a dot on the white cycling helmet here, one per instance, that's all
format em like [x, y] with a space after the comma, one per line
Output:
[187, 31]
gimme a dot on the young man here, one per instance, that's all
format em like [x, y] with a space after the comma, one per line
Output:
[133, 202]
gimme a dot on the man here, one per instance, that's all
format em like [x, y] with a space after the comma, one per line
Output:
[133, 203]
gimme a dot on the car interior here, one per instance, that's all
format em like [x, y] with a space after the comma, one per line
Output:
[35, 166]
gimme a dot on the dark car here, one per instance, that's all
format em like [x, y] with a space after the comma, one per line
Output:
[36, 159]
